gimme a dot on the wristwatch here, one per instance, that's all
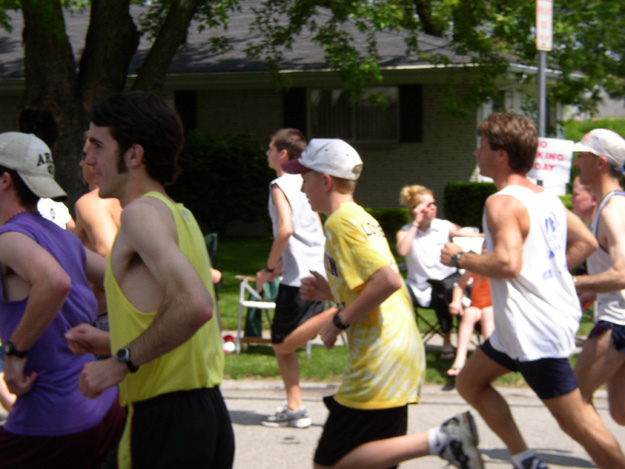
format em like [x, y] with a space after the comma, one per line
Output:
[10, 351]
[123, 355]
[336, 320]
[456, 258]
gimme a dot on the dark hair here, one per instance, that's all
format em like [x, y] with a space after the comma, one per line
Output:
[291, 140]
[515, 134]
[24, 194]
[140, 118]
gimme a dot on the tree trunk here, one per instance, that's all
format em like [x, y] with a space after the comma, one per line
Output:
[424, 10]
[112, 40]
[51, 107]
[151, 75]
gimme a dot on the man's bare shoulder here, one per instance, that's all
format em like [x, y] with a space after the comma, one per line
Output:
[503, 202]
[614, 207]
[611, 222]
[92, 200]
[147, 216]
[505, 212]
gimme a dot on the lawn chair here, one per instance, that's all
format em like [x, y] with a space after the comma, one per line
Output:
[256, 304]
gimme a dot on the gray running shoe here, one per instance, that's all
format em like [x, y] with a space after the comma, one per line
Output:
[533, 462]
[285, 417]
[461, 451]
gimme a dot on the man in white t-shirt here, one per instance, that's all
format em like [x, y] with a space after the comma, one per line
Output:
[297, 249]
[56, 212]
[531, 241]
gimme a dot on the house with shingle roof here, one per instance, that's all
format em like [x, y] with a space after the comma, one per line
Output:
[412, 140]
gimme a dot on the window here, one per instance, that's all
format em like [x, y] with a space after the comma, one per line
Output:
[333, 114]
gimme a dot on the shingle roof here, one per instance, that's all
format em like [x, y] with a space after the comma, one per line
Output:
[195, 57]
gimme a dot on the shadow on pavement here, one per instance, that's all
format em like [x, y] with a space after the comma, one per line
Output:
[548, 455]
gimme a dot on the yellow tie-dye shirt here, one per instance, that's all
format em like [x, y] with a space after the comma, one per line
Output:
[386, 363]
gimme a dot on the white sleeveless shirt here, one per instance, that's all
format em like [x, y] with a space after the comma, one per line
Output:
[538, 312]
[610, 306]
[305, 249]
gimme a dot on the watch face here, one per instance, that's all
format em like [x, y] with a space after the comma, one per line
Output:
[122, 354]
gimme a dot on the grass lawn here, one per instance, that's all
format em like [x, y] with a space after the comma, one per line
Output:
[246, 257]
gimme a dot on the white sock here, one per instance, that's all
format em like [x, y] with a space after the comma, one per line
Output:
[517, 459]
[437, 440]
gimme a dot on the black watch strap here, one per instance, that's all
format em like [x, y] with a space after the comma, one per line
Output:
[10, 351]
[123, 355]
[336, 320]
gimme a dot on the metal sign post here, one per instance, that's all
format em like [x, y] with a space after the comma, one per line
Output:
[544, 43]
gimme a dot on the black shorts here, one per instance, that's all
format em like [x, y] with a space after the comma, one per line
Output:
[548, 377]
[182, 429]
[347, 429]
[618, 334]
[291, 312]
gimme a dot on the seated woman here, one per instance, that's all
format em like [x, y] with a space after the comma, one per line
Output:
[420, 242]
[481, 310]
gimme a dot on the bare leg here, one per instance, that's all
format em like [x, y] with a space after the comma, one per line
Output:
[470, 317]
[579, 419]
[289, 370]
[616, 391]
[287, 359]
[474, 385]
[487, 321]
[304, 332]
[600, 363]
[384, 453]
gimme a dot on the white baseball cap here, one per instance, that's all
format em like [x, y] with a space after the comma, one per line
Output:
[32, 159]
[327, 156]
[604, 142]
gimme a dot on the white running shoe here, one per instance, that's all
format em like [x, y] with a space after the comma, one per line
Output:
[286, 417]
[461, 450]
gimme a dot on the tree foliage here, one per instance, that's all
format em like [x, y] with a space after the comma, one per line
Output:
[587, 36]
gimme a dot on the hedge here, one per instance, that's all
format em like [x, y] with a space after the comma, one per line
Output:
[464, 202]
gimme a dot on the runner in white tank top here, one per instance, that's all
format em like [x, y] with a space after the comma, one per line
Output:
[602, 361]
[531, 243]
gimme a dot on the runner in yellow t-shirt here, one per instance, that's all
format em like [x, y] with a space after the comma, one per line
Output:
[368, 416]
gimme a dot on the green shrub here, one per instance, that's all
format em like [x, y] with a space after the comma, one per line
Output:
[575, 130]
[224, 178]
[390, 219]
[566, 200]
[464, 202]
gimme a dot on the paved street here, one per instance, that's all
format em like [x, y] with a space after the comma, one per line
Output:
[260, 447]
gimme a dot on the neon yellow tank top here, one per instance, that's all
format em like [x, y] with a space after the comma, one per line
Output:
[199, 362]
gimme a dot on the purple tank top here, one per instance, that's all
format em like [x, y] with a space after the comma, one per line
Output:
[55, 405]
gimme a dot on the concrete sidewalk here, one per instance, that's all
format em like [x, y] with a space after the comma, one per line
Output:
[260, 447]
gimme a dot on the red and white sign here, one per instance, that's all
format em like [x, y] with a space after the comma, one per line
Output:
[544, 24]
[553, 160]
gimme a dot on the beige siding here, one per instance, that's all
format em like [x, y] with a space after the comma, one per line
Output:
[446, 154]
